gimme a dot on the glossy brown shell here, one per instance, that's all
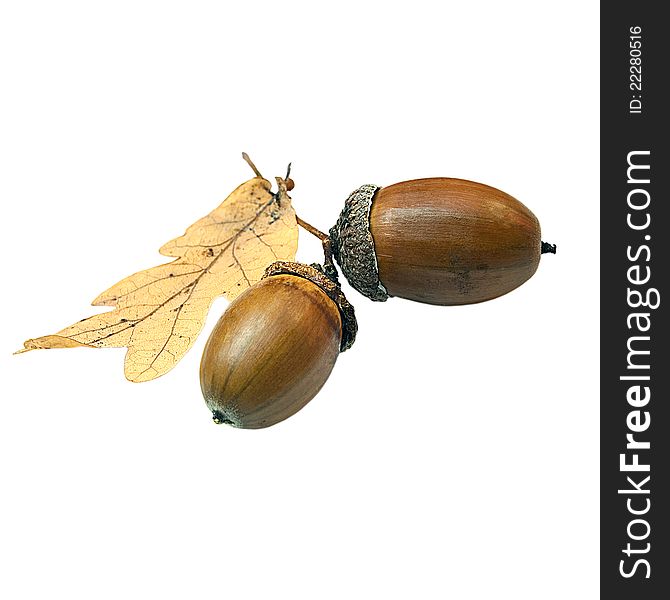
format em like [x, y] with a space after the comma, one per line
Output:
[271, 352]
[452, 241]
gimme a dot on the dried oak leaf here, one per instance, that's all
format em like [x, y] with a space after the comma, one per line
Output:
[159, 312]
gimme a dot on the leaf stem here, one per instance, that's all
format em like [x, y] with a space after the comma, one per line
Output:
[325, 242]
[245, 156]
[313, 230]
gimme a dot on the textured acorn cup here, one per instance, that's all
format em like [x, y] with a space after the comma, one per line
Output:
[439, 241]
[275, 346]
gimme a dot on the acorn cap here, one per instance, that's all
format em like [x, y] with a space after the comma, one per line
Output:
[315, 274]
[353, 246]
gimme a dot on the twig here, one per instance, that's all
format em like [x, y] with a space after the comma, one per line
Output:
[325, 242]
[313, 230]
[245, 156]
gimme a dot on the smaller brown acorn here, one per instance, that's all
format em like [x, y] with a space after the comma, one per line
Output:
[439, 241]
[275, 346]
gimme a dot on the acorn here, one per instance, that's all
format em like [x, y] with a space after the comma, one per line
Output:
[439, 241]
[275, 346]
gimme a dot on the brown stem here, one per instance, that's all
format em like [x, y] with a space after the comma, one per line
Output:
[245, 156]
[325, 241]
[313, 230]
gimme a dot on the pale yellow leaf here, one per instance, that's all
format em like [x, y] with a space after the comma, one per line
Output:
[158, 313]
[47, 342]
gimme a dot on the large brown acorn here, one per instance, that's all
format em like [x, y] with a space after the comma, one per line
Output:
[275, 346]
[439, 240]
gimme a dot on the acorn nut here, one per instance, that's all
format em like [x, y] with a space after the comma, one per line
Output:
[275, 346]
[439, 241]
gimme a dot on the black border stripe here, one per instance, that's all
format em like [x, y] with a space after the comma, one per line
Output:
[623, 132]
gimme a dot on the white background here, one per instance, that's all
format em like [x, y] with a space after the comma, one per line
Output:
[452, 453]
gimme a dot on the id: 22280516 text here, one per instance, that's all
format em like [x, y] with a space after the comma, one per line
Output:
[635, 77]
